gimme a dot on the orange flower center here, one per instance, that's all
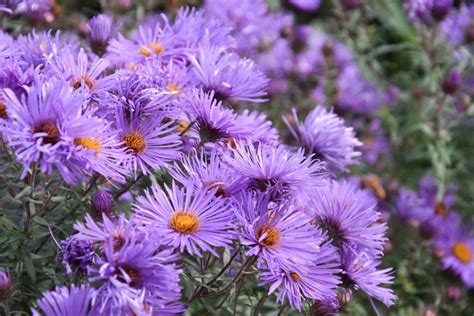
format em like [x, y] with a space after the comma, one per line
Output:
[173, 88]
[3, 111]
[51, 130]
[135, 141]
[89, 143]
[87, 81]
[440, 209]
[184, 223]
[295, 276]
[147, 50]
[272, 235]
[462, 252]
[182, 126]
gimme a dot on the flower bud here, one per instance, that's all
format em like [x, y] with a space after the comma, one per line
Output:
[5, 284]
[440, 9]
[102, 202]
[351, 4]
[469, 33]
[453, 293]
[451, 82]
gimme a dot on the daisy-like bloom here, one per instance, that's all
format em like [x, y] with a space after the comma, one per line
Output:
[207, 171]
[64, 301]
[262, 129]
[76, 255]
[147, 42]
[140, 277]
[39, 125]
[231, 77]
[277, 233]
[355, 93]
[411, 207]
[189, 219]
[79, 72]
[317, 280]
[149, 144]
[211, 121]
[102, 29]
[324, 134]
[361, 272]
[458, 27]
[456, 246]
[347, 214]
[276, 171]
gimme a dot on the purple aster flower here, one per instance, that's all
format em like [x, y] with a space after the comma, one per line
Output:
[140, 277]
[102, 29]
[376, 143]
[306, 5]
[231, 77]
[207, 171]
[40, 123]
[277, 234]
[355, 93]
[190, 219]
[428, 11]
[347, 214]
[316, 280]
[262, 130]
[324, 134]
[76, 255]
[211, 120]
[80, 72]
[16, 77]
[458, 27]
[149, 144]
[429, 191]
[64, 301]
[410, 206]
[456, 246]
[253, 24]
[360, 272]
[276, 171]
[35, 10]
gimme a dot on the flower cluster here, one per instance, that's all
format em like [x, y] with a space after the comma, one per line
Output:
[171, 98]
[442, 225]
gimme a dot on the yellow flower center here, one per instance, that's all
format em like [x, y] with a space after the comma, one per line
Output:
[462, 252]
[88, 82]
[272, 237]
[295, 276]
[182, 126]
[173, 88]
[135, 141]
[3, 111]
[50, 129]
[147, 50]
[89, 143]
[184, 223]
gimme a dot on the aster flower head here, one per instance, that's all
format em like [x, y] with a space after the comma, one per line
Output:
[149, 144]
[306, 5]
[277, 234]
[276, 170]
[5, 284]
[325, 135]
[64, 301]
[361, 272]
[79, 71]
[41, 123]
[231, 77]
[140, 277]
[262, 130]
[76, 255]
[410, 206]
[458, 27]
[348, 215]
[190, 219]
[316, 280]
[211, 120]
[456, 246]
[207, 170]
[102, 29]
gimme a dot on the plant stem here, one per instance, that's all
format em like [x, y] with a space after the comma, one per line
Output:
[127, 187]
[260, 304]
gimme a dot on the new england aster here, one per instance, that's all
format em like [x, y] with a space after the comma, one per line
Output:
[190, 219]
[325, 135]
[63, 301]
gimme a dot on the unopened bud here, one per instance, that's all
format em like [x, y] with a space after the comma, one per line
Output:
[452, 82]
[102, 202]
